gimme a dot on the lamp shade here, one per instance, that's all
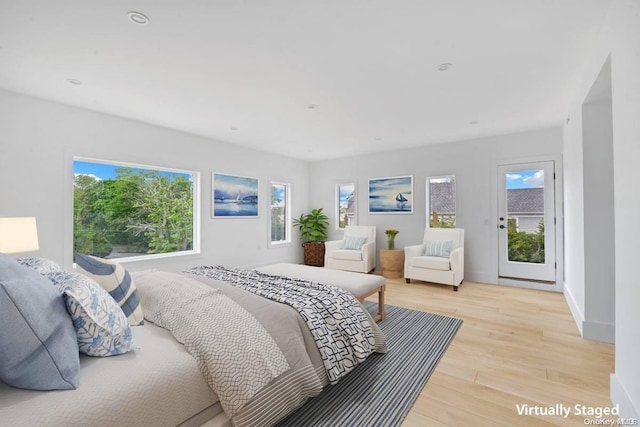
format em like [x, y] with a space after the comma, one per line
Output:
[18, 235]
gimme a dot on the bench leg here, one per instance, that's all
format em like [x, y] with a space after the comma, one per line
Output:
[381, 315]
[381, 312]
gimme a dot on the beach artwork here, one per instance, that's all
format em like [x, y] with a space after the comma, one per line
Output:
[391, 195]
[234, 196]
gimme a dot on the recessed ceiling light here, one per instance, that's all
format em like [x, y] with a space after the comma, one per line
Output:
[312, 106]
[234, 128]
[475, 122]
[74, 81]
[138, 18]
[378, 139]
[444, 67]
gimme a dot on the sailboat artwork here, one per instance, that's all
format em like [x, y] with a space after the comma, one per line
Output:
[235, 196]
[400, 198]
[391, 195]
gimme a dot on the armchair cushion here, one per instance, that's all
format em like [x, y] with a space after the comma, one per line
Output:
[354, 242]
[437, 248]
[431, 262]
[346, 254]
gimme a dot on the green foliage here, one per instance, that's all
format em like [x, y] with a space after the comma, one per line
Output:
[313, 226]
[278, 224]
[442, 220]
[525, 247]
[138, 212]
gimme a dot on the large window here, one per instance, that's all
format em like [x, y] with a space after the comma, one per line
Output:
[441, 201]
[346, 206]
[280, 213]
[131, 211]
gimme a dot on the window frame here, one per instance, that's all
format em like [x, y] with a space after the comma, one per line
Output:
[428, 198]
[287, 213]
[196, 207]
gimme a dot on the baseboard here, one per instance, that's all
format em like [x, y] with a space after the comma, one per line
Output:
[530, 284]
[479, 277]
[620, 397]
[578, 317]
[599, 331]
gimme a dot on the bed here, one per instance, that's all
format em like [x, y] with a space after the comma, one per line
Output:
[164, 383]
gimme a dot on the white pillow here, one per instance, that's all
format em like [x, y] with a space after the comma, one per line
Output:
[438, 248]
[354, 242]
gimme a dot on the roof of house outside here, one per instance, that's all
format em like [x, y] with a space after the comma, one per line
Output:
[519, 200]
[525, 200]
[443, 197]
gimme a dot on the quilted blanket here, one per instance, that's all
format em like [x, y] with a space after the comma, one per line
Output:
[216, 331]
[341, 329]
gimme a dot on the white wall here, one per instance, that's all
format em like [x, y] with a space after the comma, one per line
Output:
[38, 140]
[620, 38]
[474, 165]
[599, 220]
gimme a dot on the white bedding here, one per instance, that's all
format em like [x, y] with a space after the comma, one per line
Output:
[158, 385]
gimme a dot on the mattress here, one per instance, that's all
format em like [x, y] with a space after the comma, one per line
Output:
[158, 385]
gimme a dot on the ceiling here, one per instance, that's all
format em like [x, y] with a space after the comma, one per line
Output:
[310, 79]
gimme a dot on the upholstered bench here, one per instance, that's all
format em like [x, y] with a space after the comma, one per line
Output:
[359, 284]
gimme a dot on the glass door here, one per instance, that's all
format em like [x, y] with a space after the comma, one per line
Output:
[526, 221]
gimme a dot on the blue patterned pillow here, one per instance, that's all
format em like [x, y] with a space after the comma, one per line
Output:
[115, 279]
[41, 265]
[101, 326]
[354, 242]
[438, 248]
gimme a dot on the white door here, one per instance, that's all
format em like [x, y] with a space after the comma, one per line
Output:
[526, 221]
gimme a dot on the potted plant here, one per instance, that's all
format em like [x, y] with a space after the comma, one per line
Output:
[391, 237]
[313, 231]
[391, 260]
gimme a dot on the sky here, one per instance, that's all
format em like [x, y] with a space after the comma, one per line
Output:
[525, 179]
[105, 171]
[345, 191]
[278, 192]
[232, 185]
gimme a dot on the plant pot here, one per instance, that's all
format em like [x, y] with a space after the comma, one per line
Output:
[392, 263]
[314, 253]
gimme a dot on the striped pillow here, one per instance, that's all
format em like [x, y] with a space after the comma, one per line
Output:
[116, 280]
[437, 248]
[354, 242]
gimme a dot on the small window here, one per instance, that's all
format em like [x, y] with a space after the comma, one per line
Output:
[131, 212]
[441, 201]
[346, 206]
[280, 221]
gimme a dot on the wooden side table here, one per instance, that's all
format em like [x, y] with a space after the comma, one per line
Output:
[392, 263]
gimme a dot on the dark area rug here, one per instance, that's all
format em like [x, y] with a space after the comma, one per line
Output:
[381, 391]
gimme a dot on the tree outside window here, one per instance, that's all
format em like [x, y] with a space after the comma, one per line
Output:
[122, 211]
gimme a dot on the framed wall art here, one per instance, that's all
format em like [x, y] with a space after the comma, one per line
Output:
[391, 195]
[234, 196]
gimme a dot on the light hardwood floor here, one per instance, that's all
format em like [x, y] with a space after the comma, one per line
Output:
[516, 346]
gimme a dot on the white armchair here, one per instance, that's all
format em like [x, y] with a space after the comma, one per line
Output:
[363, 260]
[439, 259]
